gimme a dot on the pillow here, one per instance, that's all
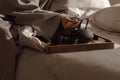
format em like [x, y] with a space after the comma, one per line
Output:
[71, 6]
[89, 3]
[84, 5]
[107, 19]
[63, 4]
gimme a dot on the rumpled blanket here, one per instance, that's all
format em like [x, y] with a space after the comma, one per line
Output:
[31, 18]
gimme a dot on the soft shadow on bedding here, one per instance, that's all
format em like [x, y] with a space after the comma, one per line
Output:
[95, 65]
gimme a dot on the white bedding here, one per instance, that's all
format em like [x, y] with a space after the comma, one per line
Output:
[89, 65]
[93, 65]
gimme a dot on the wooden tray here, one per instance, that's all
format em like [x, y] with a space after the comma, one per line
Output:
[97, 44]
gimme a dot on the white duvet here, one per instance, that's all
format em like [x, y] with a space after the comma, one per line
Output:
[89, 65]
[93, 65]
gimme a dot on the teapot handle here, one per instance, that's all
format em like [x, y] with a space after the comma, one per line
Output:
[81, 22]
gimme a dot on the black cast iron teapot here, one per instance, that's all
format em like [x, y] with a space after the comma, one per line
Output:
[76, 35]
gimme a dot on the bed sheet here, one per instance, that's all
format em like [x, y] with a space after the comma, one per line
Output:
[93, 65]
[86, 65]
